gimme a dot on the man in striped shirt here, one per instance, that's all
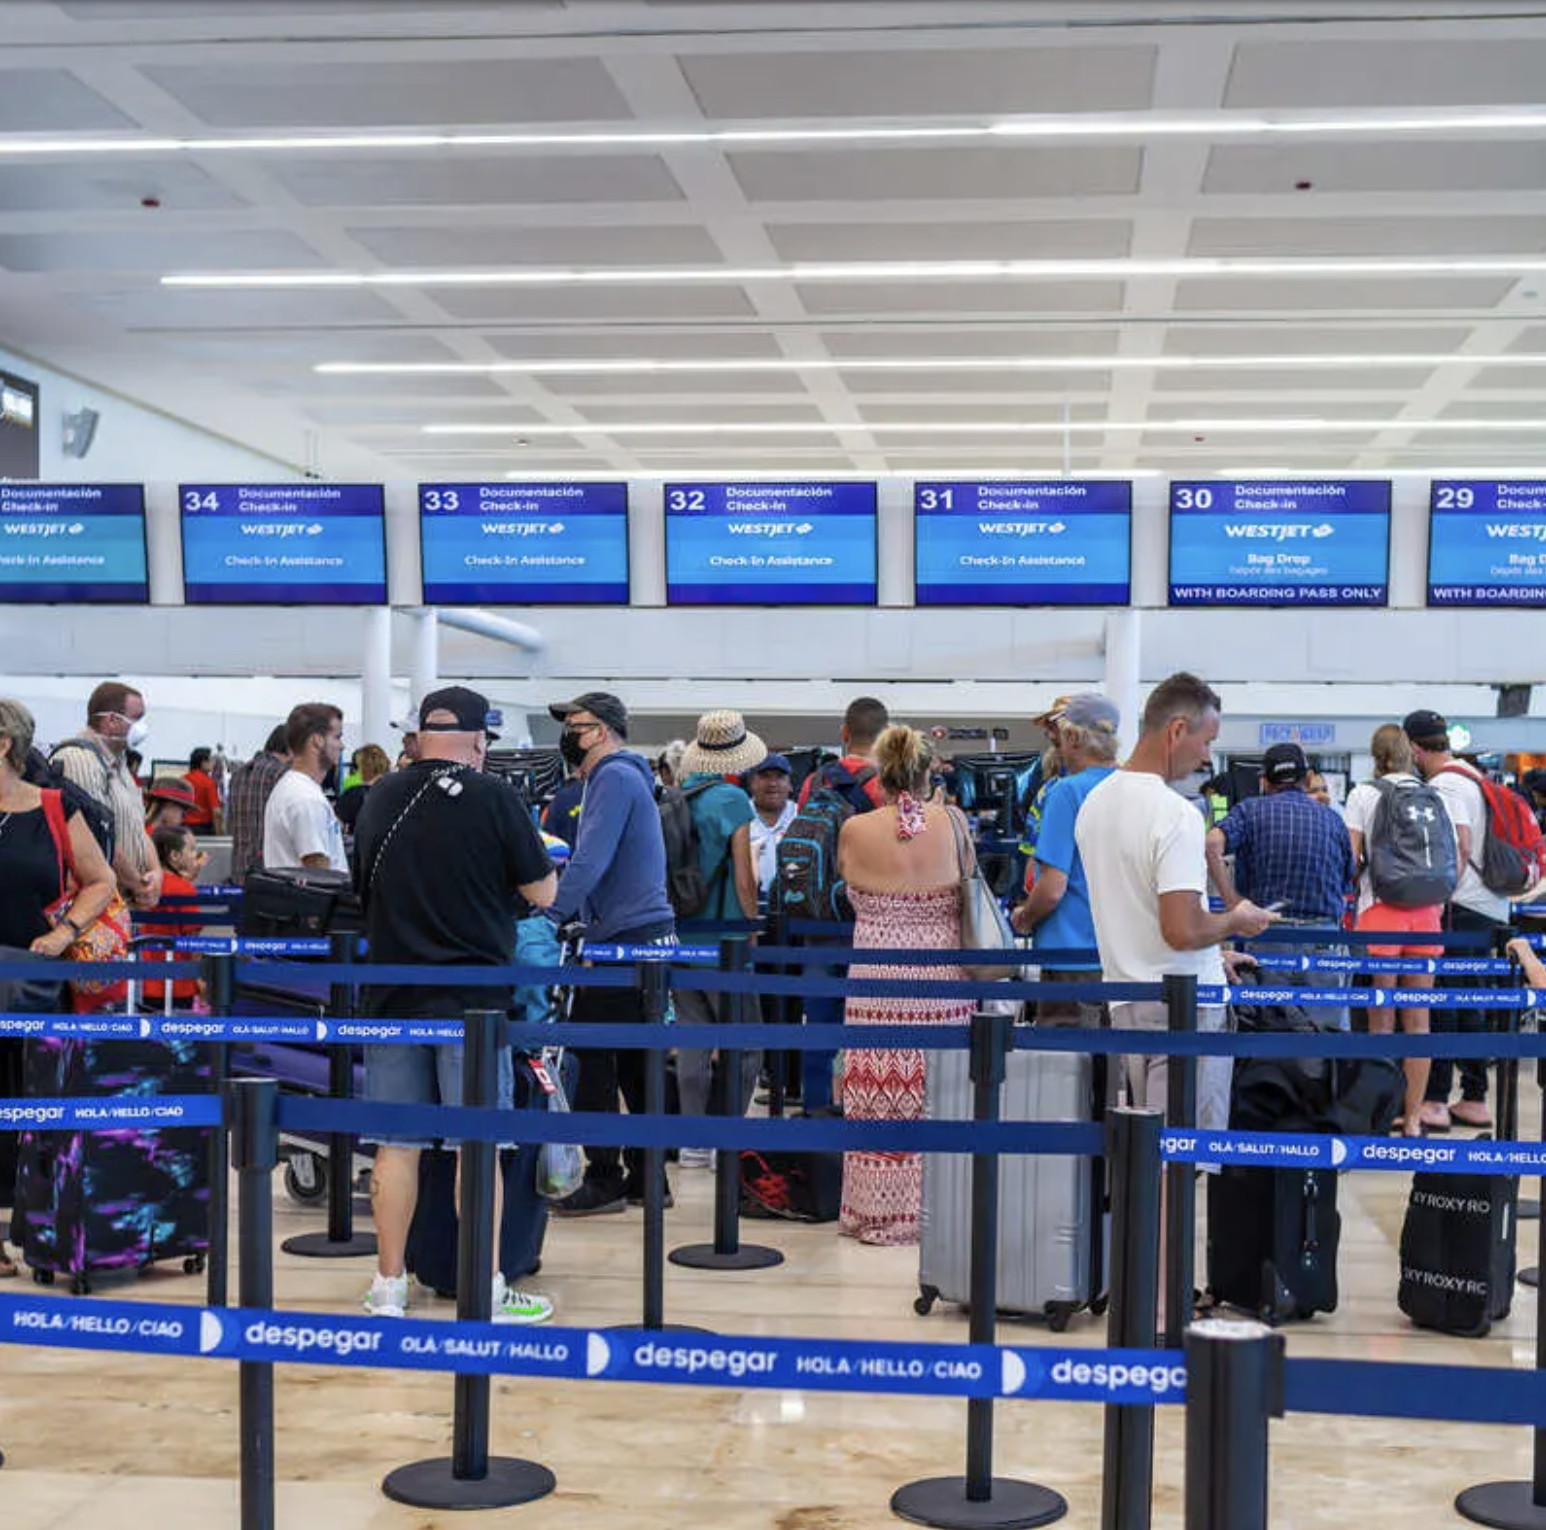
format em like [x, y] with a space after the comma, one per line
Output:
[251, 787]
[1292, 854]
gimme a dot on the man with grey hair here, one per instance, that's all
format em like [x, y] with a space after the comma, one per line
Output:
[1083, 729]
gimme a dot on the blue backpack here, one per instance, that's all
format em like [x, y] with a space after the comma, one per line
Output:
[808, 884]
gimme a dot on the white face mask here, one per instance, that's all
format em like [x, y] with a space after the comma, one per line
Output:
[138, 732]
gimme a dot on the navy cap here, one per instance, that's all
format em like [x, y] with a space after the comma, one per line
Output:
[772, 761]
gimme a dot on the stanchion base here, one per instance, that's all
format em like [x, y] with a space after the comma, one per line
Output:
[1528, 1209]
[1508, 1505]
[702, 1256]
[430, 1485]
[659, 1328]
[319, 1246]
[942, 1501]
[1529, 1276]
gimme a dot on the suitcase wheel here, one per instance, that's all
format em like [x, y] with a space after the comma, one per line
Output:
[1099, 1305]
[79, 1285]
[1058, 1315]
[306, 1178]
[193, 1264]
[927, 1296]
[43, 1277]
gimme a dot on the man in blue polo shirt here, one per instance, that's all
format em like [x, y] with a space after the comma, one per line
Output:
[1057, 908]
[1292, 854]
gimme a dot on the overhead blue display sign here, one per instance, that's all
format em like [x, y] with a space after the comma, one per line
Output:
[72, 542]
[770, 544]
[1057, 543]
[1487, 544]
[284, 544]
[524, 543]
[1270, 543]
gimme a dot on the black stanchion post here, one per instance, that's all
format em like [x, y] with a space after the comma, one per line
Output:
[220, 980]
[1234, 1384]
[340, 1241]
[471, 1478]
[1528, 1208]
[979, 1500]
[251, 1105]
[727, 1252]
[1180, 1178]
[776, 1064]
[1127, 1476]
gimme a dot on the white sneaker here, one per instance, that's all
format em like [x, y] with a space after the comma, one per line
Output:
[695, 1158]
[388, 1296]
[512, 1306]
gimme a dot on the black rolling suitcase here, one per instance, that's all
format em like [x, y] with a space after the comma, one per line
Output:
[432, 1237]
[1457, 1252]
[1272, 1241]
[299, 901]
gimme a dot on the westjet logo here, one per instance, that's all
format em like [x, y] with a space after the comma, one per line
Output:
[770, 528]
[280, 529]
[1279, 532]
[43, 529]
[1529, 531]
[522, 528]
[1021, 528]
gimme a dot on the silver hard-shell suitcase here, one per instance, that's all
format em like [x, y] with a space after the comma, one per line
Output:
[1051, 1231]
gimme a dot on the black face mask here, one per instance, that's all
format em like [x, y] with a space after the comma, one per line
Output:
[572, 749]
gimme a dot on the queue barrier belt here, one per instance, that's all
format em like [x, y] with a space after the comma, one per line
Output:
[1348, 1388]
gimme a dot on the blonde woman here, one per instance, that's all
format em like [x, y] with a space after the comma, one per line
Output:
[903, 868]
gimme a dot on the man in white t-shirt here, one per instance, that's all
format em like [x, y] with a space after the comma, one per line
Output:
[1142, 846]
[1474, 906]
[300, 827]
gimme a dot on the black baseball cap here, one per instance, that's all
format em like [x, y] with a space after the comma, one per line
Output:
[471, 710]
[1424, 727]
[602, 705]
[1284, 763]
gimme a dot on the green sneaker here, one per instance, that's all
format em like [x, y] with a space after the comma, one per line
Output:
[512, 1306]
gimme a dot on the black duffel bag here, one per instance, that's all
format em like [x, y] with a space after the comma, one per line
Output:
[300, 900]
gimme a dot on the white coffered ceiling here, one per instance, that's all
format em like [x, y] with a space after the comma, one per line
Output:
[81, 259]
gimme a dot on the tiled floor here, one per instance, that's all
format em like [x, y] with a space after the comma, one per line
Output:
[104, 1440]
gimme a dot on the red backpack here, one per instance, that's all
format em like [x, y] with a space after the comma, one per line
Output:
[1513, 850]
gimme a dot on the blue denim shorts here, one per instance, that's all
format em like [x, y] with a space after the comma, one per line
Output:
[426, 1075]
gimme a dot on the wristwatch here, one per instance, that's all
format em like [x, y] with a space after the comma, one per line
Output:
[77, 930]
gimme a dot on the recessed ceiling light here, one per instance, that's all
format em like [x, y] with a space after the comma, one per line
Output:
[875, 271]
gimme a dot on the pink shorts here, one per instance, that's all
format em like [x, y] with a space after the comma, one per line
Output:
[1404, 921]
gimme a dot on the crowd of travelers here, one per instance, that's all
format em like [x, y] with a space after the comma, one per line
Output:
[1127, 879]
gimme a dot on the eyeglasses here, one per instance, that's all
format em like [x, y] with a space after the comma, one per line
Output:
[577, 728]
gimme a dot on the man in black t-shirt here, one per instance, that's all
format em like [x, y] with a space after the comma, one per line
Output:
[445, 858]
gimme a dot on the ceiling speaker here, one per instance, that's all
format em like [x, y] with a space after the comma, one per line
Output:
[1514, 700]
[80, 430]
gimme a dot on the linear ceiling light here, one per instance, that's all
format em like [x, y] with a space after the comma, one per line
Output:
[632, 366]
[971, 427]
[873, 271]
[1047, 128]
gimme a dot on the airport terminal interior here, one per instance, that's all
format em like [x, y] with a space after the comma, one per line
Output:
[754, 356]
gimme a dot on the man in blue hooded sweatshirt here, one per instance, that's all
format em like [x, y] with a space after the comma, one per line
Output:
[616, 887]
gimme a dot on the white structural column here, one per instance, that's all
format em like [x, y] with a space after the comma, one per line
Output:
[424, 656]
[376, 677]
[1122, 685]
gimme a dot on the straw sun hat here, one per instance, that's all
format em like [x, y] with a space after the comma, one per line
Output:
[723, 747]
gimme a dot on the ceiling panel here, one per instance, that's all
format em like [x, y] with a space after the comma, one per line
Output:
[1010, 340]
[990, 174]
[367, 95]
[423, 410]
[195, 309]
[1007, 383]
[825, 299]
[1300, 382]
[53, 100]
[619, 245]
[376, 10]
[1251, 169]
[731, 440]
[300, 350]
[1234, 339]
[469, 180]
[1495, 409]
[158, 251]
[620, 390]
[1531, 339]
[1331, 294]
[1373, 236]
[939, 410]
[912, 83]
[1388, 71]
[646, 342]
[946, 239]
[650, 301]
[646, 412]
[1513, 378]
[393, 389]
[1283, 448]
[111, 185]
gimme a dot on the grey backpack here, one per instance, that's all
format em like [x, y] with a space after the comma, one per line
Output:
[1410, 846]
